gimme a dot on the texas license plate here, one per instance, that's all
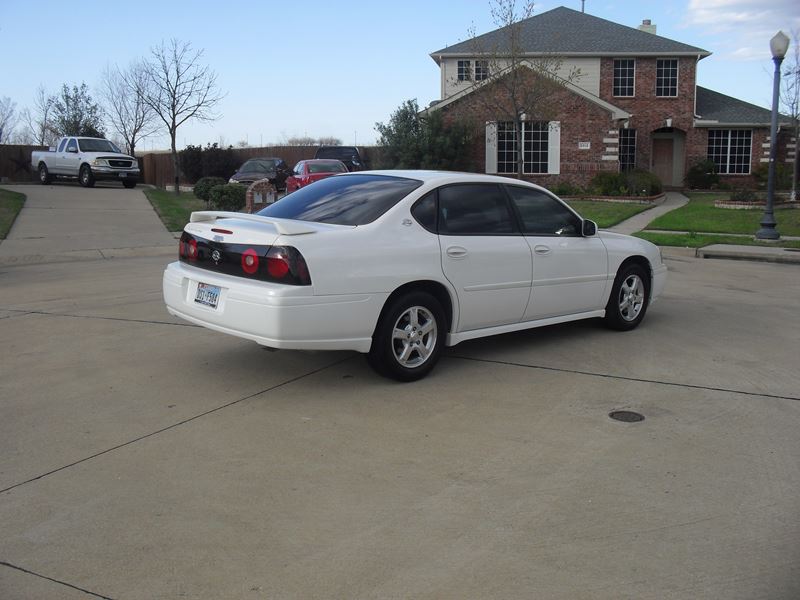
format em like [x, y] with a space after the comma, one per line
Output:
[123, 175]
[207, 295]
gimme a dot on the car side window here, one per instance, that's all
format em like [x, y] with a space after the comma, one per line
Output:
[72, 144]
[541, 214]
[424, 211]
[297, 170]
[474, 209]
[62, 144]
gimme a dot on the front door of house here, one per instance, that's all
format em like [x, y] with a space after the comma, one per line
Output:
[663, 149]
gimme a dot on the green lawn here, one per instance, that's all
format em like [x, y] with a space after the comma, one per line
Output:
[173, 210]
[10, 205]
[695, 240]
[606, 214]
[701, 215]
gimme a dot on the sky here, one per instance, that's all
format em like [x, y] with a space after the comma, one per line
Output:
[321, 68]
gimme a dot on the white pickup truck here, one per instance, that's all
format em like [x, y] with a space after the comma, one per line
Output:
[88, 159]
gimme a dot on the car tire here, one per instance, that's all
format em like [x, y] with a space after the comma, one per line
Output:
[85, 177]
[129, 184]
[409, 337]
[629, 298]
[44, 174]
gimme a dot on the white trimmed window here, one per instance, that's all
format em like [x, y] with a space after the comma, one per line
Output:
[624, 77]
[541, 147]
[464, 70]
[667, 77]
[481, 70]
[730, 149]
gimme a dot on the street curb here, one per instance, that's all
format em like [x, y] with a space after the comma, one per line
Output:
[86, 255]
[751, 253]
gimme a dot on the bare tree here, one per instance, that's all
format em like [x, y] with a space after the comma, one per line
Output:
[39, 127]
[301, 140]
[519, 87]
[8, 118]
[329, 141]
[123, 94]
[790, 98]
[180, 89]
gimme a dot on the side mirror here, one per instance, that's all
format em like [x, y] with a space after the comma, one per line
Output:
[588, 228]
[72, 150]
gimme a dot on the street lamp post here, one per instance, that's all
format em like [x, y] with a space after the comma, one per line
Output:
[778, 45]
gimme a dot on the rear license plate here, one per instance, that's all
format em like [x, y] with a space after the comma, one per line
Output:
[123, 175]
[207, 295]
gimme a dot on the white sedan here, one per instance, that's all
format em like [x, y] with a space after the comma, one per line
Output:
[399, 264]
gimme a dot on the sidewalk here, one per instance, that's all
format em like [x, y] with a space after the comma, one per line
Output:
[674, 200]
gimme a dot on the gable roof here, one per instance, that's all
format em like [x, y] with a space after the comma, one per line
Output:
[714, 109]
[570, 32]
[614, 111]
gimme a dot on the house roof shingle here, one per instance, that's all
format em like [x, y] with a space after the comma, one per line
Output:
[715, 107]
[570, 32]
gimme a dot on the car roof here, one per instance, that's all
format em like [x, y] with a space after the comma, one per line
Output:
[443, 177]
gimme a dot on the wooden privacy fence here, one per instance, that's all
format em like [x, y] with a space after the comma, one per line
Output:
[15, 163]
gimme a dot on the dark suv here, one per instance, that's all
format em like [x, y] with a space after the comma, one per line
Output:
[274, 169]
[349, 155]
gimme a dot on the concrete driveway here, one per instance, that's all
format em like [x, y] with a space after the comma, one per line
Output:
[143, 458]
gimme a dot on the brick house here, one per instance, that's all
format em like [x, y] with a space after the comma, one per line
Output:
[632, 102]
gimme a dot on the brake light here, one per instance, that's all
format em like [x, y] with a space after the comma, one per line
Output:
[285, 264]
[250, 261]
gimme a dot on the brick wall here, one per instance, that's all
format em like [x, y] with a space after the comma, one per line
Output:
[581, 121]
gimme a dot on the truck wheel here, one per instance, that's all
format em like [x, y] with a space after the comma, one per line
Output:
[44, 174]
[85, 176]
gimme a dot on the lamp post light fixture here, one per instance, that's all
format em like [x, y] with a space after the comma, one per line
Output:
[778, 45]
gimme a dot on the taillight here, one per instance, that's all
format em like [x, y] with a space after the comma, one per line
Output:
[285, 264]
[191, 249]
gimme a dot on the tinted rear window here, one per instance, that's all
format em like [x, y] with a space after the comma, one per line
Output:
[343, 200]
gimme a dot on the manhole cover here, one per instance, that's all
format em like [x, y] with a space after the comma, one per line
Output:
[626, 416]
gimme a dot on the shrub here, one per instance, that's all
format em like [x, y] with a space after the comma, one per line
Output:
[565, 188]
[743, 195]
[202, 189]
[643, 183]
[211, 161]
[703, 175]
[783, 176]
[229, 197]
[607, 183]
[191, 162]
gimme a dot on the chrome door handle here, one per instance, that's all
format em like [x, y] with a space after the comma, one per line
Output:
[456, 252]
[541, 250]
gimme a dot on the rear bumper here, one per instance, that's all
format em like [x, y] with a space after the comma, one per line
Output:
[273, 315]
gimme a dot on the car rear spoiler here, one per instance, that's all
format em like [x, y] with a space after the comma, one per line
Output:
[283, 226]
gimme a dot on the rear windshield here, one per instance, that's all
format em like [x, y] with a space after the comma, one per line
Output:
[343, 200]
[332, 166]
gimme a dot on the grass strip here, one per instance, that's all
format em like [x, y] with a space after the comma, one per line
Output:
[607, 214]
[698, 240]
[10, 205]
[174, 210]
[700, 214]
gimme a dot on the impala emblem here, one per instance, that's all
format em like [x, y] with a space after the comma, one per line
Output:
[216, 255]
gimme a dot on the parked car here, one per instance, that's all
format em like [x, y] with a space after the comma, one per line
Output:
[351, 156]
[309, 171]
[399, 264]
[274, 169]
[87, 159]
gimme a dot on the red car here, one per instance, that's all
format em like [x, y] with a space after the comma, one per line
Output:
[309, 171]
